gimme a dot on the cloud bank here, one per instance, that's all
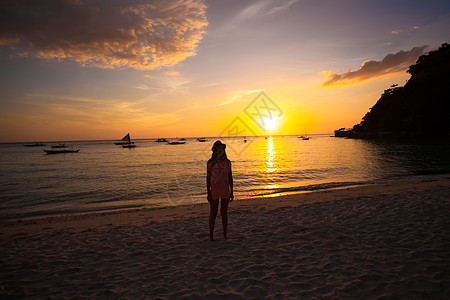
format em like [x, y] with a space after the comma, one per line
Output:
[141, 34]
[370, 69]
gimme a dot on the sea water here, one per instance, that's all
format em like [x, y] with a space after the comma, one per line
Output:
[105, 177]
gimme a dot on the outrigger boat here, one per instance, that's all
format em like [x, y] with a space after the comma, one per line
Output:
[161, 140]
[59, 146]
[125, 140]
[177, 142]
[202, 140]
[61, 151]
[38, 144]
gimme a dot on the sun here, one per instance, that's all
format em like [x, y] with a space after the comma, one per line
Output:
[270, 123]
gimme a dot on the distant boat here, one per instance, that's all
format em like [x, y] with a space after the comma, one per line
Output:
[125, 140]
[61, 151]
[59, 146]
[38, 144]
[161, 140]
[304, 137]
[202, 140]
[180, 142]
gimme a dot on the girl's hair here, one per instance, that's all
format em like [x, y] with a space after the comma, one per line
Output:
[215, 155]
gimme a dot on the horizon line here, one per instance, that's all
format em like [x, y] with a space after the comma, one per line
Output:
[153, 138]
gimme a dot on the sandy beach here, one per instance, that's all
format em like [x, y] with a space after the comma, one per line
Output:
[385, 241]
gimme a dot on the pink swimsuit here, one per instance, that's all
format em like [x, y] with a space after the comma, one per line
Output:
[220, 185]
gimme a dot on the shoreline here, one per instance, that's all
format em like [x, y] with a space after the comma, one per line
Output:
[385, 240]
[164, 213]
[283, 192]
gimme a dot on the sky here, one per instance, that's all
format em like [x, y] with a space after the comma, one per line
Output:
[95, 70]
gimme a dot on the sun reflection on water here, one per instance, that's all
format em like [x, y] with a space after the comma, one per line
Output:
[270, 158]
[270, 163]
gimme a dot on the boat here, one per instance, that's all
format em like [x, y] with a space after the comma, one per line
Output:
[38, 144]
[202, 140]
[59, 146]
[125, 140]
[161, 140]
[304, 137]
[177, 142]
[61, 151]
[129, 146]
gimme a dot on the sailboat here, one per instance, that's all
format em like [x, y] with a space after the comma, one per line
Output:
[125, 140]
[304, 137]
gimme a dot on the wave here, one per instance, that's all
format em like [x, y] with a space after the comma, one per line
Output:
[338, 185]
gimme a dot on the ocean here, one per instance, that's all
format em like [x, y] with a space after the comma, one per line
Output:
[105, 177]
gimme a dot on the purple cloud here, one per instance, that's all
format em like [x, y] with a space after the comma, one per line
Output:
[391, 63]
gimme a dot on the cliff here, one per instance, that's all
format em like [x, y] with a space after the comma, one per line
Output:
[420, 108]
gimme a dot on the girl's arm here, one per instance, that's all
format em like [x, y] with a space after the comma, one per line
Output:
[230, 181]
[208, 182]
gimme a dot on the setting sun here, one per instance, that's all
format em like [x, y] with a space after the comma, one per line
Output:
[271, 123]
[224, 149]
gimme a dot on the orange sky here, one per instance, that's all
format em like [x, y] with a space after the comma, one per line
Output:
[163, 69]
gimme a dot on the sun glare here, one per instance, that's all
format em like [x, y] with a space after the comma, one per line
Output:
[270, 123]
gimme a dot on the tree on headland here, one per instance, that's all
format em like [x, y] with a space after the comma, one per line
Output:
[421, 108]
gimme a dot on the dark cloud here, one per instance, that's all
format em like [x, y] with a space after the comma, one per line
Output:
[109, 34]
[391, 63]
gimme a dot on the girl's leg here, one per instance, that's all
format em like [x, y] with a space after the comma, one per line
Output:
[214, 207]
[224, 213]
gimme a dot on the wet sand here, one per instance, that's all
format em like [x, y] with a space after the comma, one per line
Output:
[368, 242]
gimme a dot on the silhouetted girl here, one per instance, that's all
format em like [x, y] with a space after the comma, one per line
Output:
[219, 183]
